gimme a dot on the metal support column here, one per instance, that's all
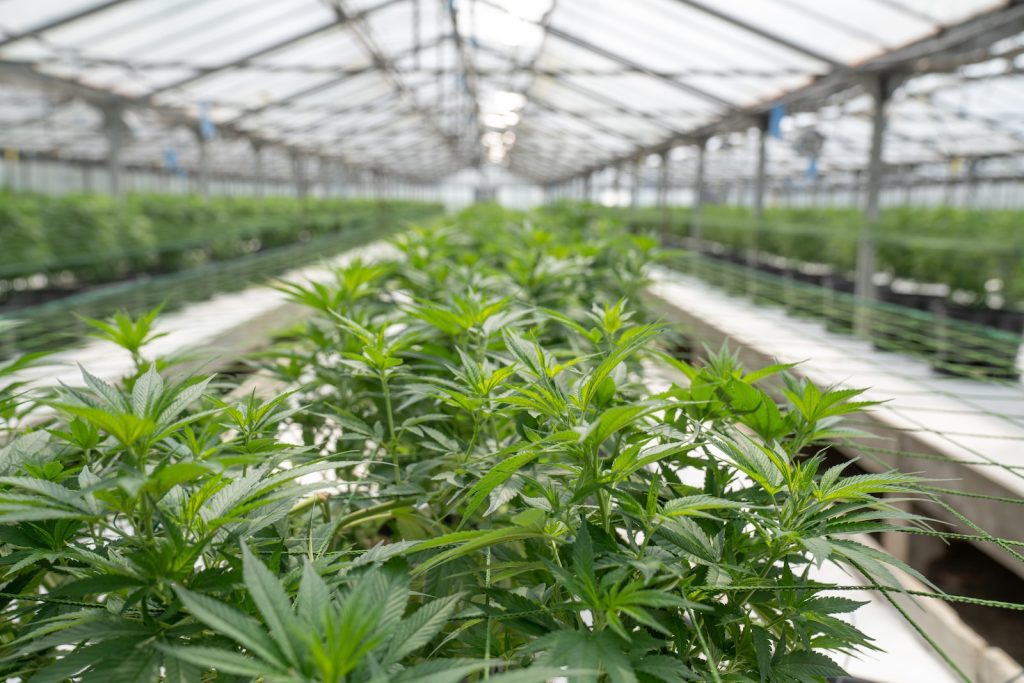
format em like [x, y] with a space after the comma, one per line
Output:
[299, 174]
[634, 188]
[117, 133]
[339, 178]
[259, 174]
[204, 165]
[760, 180]
[377, 185]
[864, 286]
[971, 198]
[696, 228]
[324, 170]
[663, 210]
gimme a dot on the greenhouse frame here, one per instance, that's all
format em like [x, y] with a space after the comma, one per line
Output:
[657, 341]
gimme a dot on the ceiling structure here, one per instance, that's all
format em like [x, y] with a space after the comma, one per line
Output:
[551, 89]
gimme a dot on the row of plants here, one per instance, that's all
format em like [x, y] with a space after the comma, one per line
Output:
[975, 253]
[467, 480]
[950, 346]
[77, 240]
[972, 328]
[57, 323]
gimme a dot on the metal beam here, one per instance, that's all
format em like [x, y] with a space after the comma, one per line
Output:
[382, 102]
[375, 127]
[491, 72]
[624, 61]
[549, 167]
[326, 85]
[469, 81]
[762, 33]
[389, 72]
[571, 152]
[987, 28]
[547, 106]
[157, 167]
[616, 105]
[531, 64]
[273, 47]
[143, 20]
[544, 160]
[981, 31]
[60, 21]
[103, 99]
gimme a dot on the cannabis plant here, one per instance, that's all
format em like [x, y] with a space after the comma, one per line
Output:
[469, 479]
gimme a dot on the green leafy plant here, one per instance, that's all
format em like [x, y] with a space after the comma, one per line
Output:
[128, 333]
[469, 479]
[93, 238]
[967, 250]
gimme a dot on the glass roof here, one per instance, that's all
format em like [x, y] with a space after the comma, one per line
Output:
[547, 88]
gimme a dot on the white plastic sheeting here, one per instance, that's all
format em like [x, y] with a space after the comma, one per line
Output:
[423, 88]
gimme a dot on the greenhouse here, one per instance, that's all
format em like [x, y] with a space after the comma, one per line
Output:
[524, 341]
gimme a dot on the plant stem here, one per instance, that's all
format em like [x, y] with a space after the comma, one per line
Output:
[712, 664]
[487, 645]
[392, 442]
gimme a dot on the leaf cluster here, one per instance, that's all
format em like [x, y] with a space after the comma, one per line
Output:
[469, 480]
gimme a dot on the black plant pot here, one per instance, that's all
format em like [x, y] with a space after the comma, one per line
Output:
[765, 291]
[895, 329]
[771, 269]
[734, 256]
[721, 273]
[806, 301]
[839, 309]
[13, 300]
[988, 347]
[713, 273]
[816, 279]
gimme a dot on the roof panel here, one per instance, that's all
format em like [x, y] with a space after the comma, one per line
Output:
[946, 12]
[20, 16]
[331, 49]
[818, 29]
[248, 87]
[668, 35]
[654, 70]
[121, 30]
[394, 31]
[644, 92]
[215, 43]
